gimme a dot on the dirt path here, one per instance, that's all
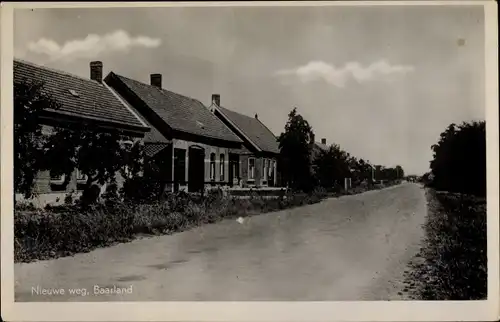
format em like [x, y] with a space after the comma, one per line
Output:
[350, 248]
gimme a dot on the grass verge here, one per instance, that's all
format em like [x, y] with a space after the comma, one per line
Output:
[452, 263]
[53, 232]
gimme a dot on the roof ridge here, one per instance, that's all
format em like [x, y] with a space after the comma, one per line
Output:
[221, 111]
[242, 114]
[55, 70]
[186, 105]
[160, 89]
[253, 118]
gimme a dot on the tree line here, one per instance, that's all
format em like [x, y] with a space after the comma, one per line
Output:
[459, 159]
[303, 167]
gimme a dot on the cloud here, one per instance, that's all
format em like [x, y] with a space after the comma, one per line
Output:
[91, 46]
[338, 76]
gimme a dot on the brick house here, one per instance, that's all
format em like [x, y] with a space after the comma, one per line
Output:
[255, 165]
[191, 143]
[81, 100]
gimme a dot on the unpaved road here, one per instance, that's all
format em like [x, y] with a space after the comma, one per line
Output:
[350, 248]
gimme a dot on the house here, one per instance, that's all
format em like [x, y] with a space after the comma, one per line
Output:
[318, 147]
[256, 163]
[190, 144]
[81, 100]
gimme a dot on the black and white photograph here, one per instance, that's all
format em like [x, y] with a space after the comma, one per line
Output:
[251, 153]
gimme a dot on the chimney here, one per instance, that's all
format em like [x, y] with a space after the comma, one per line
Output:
[312, 142]
[216, 99]
[256, 116]
[96, 71]
[323, 141]
[155, 80]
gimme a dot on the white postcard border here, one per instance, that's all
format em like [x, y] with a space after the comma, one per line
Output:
[249, 311]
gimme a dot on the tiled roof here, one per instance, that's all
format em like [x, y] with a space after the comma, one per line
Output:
[322, 146]
[154, 135]
[254, 129]
[179, 112]
[78, 96]
[151, 149]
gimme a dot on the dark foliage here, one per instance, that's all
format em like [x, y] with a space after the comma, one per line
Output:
[96, 153]
[459, 160]
[295, 153]
[142, 189]
[331, 167]
[30, 101]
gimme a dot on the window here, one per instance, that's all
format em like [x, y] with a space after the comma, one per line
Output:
[251, 169]
[270, 169]
[264, 172]
[264, 169]
[80, 176]
[57, 179]
[127, 144]
[127, 172]
[46, 130]
[222, 165]
[212, 166]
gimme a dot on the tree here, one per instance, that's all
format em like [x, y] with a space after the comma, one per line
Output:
[459, 159]
[331, 167]
[295, 152]
[400, 173]
[361, 170]
[98, 155]
[29, 103]
[151, 185]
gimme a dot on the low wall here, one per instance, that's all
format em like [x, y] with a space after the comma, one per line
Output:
[264, 192]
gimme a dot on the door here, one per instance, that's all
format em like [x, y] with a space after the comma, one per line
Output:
[196, 169]
[234, 166]
[179, 168]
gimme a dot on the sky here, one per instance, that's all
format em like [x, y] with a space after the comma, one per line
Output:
[382, 81]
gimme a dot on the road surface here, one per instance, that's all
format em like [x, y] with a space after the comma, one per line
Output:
[349, 248]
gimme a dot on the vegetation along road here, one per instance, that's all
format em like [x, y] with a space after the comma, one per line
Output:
[350, 248]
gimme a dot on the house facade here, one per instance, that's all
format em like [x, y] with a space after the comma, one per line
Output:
[189, 144]
[256, 164]
[81, 100]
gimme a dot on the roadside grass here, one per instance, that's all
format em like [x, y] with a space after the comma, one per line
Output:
[41, 234]
[452, 263]
[66, 230]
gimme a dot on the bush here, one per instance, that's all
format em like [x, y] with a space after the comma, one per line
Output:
[142, 190]
[68, 229]
[111, 196]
